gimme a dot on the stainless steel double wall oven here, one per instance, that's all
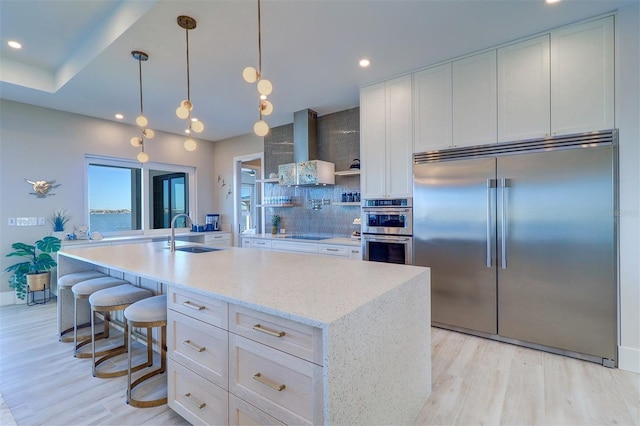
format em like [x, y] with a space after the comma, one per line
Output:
[387, 230]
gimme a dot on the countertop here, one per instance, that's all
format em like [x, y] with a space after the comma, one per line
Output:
[343, 241]
[315, 290]
[141, 237]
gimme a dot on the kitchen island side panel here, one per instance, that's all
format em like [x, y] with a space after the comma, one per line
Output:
[378, 358]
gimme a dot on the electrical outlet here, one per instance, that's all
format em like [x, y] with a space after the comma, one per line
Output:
[41, 221]
[12, 221]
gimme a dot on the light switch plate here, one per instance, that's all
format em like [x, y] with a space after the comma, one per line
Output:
[41, 221]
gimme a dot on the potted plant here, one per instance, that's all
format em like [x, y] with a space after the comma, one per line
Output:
[58, 220]
[34, 272]
[275, 223]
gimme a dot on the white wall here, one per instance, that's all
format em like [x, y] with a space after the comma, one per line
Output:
[223, 153]
[628, 122]
[43, 144]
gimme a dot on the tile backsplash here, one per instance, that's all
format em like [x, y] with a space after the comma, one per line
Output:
[339, 143]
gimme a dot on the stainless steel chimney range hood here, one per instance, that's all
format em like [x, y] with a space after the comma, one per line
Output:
[305, 172]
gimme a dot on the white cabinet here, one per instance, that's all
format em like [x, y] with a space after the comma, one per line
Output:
[197, 348]
[432, 108]
[355, 253]
[261, 244]
[386, 138]
[523, 90]
[582, 77]
[222, 239]
[294, 247]
[246, 242]
[474, 100]
[232, 365]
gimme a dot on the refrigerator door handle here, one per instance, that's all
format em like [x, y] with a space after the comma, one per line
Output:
[491, 183]
[504, 183]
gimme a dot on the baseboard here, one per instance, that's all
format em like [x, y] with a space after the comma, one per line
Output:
[629, 359]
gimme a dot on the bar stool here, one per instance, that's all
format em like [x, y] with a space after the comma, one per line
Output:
[112, 299]
[83, 290]
[65, 299]
[148, 313]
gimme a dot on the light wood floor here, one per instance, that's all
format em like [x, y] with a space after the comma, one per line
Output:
[475, 381]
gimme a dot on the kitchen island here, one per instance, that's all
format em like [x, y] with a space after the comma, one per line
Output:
[363, 330]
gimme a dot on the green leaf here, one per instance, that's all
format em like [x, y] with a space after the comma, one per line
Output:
[49, 244]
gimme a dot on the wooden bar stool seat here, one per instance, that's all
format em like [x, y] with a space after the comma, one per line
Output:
[147, 313]
[109, 300]
[83, 290]
[65, 296]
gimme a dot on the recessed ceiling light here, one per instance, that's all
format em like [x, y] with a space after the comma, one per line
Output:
[551, 1]
[14, 44]
[119, 116]
[364, 62]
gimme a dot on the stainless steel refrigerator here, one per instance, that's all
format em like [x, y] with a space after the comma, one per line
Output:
[521, 239]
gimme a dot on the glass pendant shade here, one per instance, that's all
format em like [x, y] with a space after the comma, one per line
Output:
[266, 107]
[136, 141]
[142, 157]
[261, 128]
[265, 87]
[250, 74]
[190, 145]
[142, 121]
[182, 112]
[197, 126]
[148, 133]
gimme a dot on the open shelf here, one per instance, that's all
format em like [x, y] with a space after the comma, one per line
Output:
[274, 205]
[270, 180]
[352, 172]
[341, 203]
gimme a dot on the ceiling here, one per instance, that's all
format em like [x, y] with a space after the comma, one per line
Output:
[76, 53]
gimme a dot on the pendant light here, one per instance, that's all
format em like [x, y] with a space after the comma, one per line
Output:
[186, 106]
[251, 75]
[141, 120]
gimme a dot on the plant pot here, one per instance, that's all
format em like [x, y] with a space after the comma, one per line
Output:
[274, 230]
[38, 280]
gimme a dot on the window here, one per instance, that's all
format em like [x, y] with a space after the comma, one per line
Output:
[128, 197]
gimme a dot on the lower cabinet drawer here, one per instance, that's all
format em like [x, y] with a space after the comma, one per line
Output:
[196, 399]
[283, 386]
[292, 337]
[200, 347]
[332, 250]
[242, 413]
[207, 309]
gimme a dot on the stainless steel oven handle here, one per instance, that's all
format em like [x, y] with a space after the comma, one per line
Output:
[388, 240]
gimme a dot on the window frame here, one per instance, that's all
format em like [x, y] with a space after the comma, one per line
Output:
[146, 189]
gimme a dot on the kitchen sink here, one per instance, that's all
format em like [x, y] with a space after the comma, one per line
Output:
[196, 249]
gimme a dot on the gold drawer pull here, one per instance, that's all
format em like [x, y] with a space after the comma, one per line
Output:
[259, 328]
[192, 305]
[193, 346]
[268, 382]
[199, 404]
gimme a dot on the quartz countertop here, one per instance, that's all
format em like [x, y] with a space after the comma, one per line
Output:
[315, 290]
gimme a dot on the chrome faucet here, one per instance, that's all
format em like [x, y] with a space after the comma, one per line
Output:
[172, 242]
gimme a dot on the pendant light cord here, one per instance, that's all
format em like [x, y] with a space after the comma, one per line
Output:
[259, 43]
[188, 80]
[140, 76]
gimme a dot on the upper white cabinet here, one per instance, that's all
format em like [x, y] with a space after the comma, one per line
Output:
[432, 108]
[474, 100]
[386, 138]
[523, 90]
[582, 77]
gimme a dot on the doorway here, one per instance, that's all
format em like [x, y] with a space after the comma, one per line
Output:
[247, 187]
